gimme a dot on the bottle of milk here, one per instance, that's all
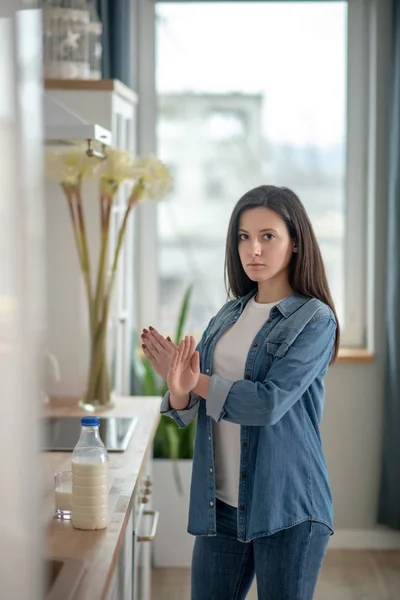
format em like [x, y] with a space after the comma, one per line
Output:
[89, 502]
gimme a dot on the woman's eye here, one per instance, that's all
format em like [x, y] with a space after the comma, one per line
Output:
[268, 236]
[243, 236]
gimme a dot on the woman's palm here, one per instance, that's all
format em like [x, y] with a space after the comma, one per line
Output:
[184, 370]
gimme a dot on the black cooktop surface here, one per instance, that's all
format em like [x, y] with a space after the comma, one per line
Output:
[62, 433]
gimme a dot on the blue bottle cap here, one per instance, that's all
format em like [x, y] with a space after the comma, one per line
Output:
[90, 421]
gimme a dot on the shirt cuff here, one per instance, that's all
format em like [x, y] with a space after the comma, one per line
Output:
[184, 416]
[218, 391]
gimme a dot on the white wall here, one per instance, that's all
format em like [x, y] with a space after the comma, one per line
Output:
[351, 433]
[68, 327]
[22, 316]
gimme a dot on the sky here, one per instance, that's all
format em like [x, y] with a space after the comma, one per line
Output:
[292, 52]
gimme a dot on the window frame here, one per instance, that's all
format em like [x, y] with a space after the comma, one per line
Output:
[365, 38]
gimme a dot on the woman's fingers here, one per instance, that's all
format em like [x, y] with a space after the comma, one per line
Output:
[186, 347]
[155, 345]
[147, 353]
[174, 363]
[179, 353]
[158, 338]
[192, 346]
[195, 362]
[171, 343]
[158, 341]
[151, 342]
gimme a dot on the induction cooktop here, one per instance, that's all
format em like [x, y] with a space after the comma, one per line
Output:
[61, 434]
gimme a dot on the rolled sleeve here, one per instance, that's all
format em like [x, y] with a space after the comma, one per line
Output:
[184, 416]
[218, 391]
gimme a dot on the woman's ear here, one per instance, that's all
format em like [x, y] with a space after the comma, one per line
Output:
[295, 246]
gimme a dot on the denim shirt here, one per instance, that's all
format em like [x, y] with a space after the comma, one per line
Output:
[283, 475]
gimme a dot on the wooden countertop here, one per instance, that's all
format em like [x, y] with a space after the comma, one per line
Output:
[99, 549]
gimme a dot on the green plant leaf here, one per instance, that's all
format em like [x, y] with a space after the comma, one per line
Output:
[152, 383]
[183, 314]
[161, 443]
[137, 370]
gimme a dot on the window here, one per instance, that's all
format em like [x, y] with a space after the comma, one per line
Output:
[279, 108]
[215, 177]
[225, 124]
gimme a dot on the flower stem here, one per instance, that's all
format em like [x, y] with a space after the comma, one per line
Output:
[86, 258]
[70, 199]
[106, 203]
[102, 390]
[134, 199]
[98, 353]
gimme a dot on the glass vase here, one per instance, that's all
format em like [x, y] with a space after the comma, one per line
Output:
[99, 394]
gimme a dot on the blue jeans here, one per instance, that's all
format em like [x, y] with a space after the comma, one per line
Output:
[286, 563]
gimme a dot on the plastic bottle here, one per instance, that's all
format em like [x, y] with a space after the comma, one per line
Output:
[90, 488]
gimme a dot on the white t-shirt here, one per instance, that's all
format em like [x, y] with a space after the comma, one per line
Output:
[229, 361]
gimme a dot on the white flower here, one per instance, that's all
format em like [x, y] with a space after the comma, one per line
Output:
[155, 176]
[69, 166]
[116, 168]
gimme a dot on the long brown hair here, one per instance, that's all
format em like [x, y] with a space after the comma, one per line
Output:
[306, 270]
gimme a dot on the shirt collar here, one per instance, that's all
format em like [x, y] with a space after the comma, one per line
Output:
[290, 304]
[286, 307]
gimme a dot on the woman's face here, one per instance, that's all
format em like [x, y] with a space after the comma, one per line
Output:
[264, 244]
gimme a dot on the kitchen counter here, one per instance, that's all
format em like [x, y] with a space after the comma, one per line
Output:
[99, 550]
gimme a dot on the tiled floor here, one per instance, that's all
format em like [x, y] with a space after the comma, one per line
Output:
[345, 575]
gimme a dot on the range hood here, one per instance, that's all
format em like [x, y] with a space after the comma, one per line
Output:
[62, 126]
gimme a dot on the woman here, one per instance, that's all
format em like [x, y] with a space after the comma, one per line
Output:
[260, 500]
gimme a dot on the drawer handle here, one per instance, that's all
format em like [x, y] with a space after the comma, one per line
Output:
[149, 538]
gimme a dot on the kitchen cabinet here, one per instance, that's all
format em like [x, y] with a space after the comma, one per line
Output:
[114, 106]
[108, 556]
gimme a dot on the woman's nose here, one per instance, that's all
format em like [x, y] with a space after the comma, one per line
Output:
[256, 248]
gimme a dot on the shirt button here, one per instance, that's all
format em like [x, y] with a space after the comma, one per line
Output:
[211, 503]
[244, 475]
[207, 370]
[211, 469]
[255, 345]
[241, 507]
[247, 377]
[245, 444]
[209, 438]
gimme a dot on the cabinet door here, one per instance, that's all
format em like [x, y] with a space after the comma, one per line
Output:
[126, 560]
[121, 583]
[113, 591]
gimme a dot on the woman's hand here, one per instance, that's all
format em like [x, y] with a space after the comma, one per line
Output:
[158, 350]
[184, 371]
